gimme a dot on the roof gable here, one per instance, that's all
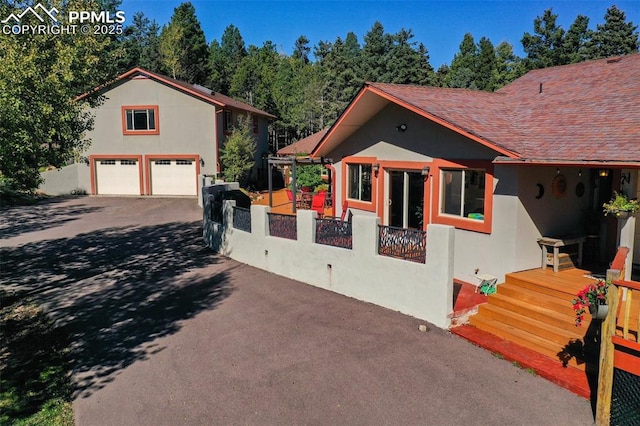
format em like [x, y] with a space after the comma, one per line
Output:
[194, 90]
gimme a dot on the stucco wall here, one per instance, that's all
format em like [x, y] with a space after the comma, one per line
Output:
[519, 218]
[424, 291]
[187, 125]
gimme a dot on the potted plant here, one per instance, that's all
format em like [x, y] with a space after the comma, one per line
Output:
[593, 298]
[620, 206]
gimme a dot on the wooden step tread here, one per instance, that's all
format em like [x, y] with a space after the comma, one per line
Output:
[534, 297]
[499, 299]
[520, 337]
[542, 329]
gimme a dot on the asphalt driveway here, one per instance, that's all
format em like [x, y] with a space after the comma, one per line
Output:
[165, 332]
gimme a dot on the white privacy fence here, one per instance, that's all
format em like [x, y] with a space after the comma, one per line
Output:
[422, 290]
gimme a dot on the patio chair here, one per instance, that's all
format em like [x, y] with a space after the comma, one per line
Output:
[317, 203]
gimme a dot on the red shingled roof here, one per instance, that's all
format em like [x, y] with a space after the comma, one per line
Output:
[303, 146]
[574, 113]
[192, 89]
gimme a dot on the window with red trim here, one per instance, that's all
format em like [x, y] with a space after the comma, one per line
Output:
[465, 195]
[462, 193]
[142, 120]
[359, 182]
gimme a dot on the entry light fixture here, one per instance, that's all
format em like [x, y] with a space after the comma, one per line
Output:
[401, 128]
[201, 162]
[603, 173]
[426, 170]
[558, 171]
[375, 168]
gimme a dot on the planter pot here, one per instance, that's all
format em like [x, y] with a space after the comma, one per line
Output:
[623, 214]
[598, 311]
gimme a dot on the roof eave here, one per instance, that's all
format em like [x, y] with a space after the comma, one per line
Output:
[564, 162]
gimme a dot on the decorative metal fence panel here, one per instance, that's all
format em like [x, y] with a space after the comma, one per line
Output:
[242, 219]
[333, 232]
[407, 244]
[625, 398]
[283, 226]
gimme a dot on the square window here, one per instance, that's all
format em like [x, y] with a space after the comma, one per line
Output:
[462, 193]
[140, 120]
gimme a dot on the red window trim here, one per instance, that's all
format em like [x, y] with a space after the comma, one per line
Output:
[484, 226]
[353, 203]
[156, 119]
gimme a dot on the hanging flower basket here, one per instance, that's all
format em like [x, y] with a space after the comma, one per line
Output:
[620, 206]
[593, 298]
[598, 311]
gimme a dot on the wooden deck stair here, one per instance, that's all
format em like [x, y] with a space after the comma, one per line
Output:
[533, 309]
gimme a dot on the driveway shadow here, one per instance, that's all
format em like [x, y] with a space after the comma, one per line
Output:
[116, 291]
[17, 220]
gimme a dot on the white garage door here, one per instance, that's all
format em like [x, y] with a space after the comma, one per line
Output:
[173, 177]
[118, 177]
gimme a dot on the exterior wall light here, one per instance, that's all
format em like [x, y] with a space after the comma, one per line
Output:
[425, 171]
[401, 128]
[376, 168]
[603, 173]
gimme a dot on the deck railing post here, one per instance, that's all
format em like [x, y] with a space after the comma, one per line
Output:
[605, 373]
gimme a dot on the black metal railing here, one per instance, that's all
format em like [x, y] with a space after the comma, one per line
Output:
[242, 219]
[283, 226]
[334, 232]
[407, 244]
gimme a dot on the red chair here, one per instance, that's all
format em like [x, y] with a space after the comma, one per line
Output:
[289, 194]
[317, 203]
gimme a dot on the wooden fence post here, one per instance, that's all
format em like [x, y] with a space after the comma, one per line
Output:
[605, 372]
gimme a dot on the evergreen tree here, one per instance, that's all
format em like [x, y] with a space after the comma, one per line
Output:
[406, 64]
[225, 58]
[508, 65]
[141, 45]
[462, 72]
[375, 54]
[615, 36]
[544, 48]
[575, 45]
[184, 47]
[301, 49]
[486, 66]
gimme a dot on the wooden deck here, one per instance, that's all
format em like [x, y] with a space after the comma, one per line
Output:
[281, 203]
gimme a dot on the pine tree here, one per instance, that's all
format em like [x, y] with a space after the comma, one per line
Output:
[184, 47]
[575, 45]
[225, 58]
[508, 65]
[544, 48]
[486, 66]
[237, 155]
[141, 45]
[462, 72]
[615, 36]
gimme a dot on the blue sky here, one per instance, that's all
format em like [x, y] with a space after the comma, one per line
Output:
[440, 25]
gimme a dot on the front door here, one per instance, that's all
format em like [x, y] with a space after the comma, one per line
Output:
[405, 199]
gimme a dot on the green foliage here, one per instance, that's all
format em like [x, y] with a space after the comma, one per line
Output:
[35, 386]
[183, 46]
[544, 48]
[40, 75]
[309, 176]
[620, 203]
[238, 153]
[140, 45]
[225, 58]
[615, 36]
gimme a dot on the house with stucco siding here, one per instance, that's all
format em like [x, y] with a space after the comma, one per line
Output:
[534, 159]
[154, 135]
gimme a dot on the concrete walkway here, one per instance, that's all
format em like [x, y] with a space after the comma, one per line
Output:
[165, 332]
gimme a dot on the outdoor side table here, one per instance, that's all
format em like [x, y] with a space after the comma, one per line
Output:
[554, 244]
